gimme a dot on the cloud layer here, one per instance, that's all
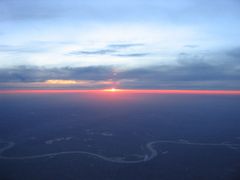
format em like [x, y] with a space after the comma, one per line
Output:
[186, 74]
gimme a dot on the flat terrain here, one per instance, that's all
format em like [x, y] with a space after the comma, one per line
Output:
[119, 136]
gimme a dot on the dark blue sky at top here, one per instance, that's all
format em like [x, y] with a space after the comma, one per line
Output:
[175, 44]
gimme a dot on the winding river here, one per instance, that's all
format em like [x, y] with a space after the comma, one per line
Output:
[151, 151]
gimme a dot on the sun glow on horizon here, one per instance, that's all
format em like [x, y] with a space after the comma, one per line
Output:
[122, 91]
[112, 90]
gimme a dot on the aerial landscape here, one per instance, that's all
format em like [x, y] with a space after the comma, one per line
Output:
[119, 90]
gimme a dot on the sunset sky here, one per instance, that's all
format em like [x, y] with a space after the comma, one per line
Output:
[136, 44]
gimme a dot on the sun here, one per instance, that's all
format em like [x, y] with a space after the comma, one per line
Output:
[111, 90]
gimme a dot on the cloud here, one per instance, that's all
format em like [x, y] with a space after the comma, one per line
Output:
[39, 74]
[235, 53]
[115, 10]
[45, 85]
[21, 49]
[129, 45]
[184, 75]
[113, 50]
[12, 10]
[186, 72]
[190, 72]
[132, 55]
[97, 52]
[31, 47]
[191, 46]
[200, 71]
[60, 81]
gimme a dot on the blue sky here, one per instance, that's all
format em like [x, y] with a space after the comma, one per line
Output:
[177, 44]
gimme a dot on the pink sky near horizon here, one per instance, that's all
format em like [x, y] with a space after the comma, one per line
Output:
[128, 91]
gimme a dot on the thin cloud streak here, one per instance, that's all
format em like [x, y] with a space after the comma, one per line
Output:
[113, 50]
[123, 46]
[132, 55]
[97, 52]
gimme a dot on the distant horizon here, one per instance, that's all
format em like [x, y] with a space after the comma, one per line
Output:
[126, 91]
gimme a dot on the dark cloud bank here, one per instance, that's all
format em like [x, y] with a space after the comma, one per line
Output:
[201, 71]
[185, 75]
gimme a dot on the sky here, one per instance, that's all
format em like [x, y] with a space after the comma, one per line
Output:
[132, 44]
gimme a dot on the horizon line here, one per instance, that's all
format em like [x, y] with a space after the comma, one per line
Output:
[128, 91]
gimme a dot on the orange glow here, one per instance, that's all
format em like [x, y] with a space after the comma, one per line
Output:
[58, 81]
[112, 90]
[169, 91]
[126, 91]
